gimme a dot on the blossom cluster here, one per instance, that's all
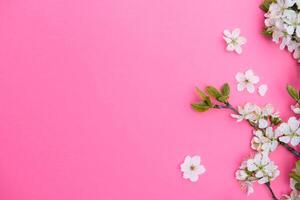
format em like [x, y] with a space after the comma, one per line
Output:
[268, 133]
[265, 140]
[257, 116]
[283, 24]
[258, 168]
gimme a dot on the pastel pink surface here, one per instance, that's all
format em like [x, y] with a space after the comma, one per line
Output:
[95, 98]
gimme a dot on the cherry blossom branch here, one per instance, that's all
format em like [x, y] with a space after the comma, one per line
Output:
[290, 149]
[271, 191]
[263, 121]
[229, 106]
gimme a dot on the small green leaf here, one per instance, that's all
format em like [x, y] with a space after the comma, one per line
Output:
[297, 186]
[223, 99]
[266, 4]
[200, 93]
[275, 120]
[207, 101]
[225, 89]
[267, 32]
[293, 92]
[298, 167]
[200, 107]
[212, 91]
[294, 176]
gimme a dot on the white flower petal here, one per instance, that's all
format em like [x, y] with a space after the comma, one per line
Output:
[240, 77]
[230, 47]
[259, 174]
[298, 31]
[193, 177]
[238, 49]
[196, 160]
[293, 123]
[254, 79]
[241, 87]
[290, 30]
[241, 40]
[236, 32]
[295, 108]
[284, 139]
[263, 123]
[263, 180]
[227, 33]
[262, 90]
[251, 165]
[295, 140]
[227, 40]
[250, 88]
[201, 169]
[249, 73]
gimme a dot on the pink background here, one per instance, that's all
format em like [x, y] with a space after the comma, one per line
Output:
[95, 98]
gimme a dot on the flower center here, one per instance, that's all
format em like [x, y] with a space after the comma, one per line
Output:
[234, 41]
[192, 168]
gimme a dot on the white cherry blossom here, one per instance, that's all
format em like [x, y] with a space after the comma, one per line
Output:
[292, 20]
[245, 178]
[192, 168]
[248, 186]
[258, 168]
[290, 131]
[268, 110]
[282, 21]
[263, 168]
[234, 40]
[256, 115]
[248, 112]
[247, 81]
[264, 142]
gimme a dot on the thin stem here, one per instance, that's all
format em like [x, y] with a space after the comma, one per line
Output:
[290, 149]
[271, 191]
[226, 106]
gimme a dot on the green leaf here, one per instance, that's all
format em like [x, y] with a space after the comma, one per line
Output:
[207, 101]
[223, 99]
[200, 93]
[275, 120]
[294, 176]
[267, 32]
[298, 167]
[266, 5]
[293, 92]
[225, 89]
[297, 186]
[200, 107]
[212, 91]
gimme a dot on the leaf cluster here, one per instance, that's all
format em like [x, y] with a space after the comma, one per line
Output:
[210, 92]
